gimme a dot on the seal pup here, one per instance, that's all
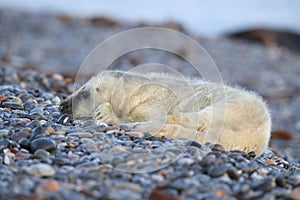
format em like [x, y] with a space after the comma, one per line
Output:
[177, 107]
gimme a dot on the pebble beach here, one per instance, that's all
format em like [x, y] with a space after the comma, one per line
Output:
[48, 155]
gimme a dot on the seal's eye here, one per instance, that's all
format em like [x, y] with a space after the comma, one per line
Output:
[84, 94]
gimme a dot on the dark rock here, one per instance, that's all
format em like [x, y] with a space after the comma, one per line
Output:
[193, 143]
[218, 147]
[37, 133]
[24, 143]
[43, 143]
[232, 173]
[265, 185]
[64, 119]
[251, 155]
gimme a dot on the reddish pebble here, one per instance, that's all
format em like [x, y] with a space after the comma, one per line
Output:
[160, 194]
[295, 194]
[270, 162]
[281, 134]
[50, 185]
[220, 193]
[2, 98]
[135, 134]
[49, 130]
[163, 172]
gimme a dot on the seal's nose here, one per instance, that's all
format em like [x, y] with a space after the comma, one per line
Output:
[66, 107]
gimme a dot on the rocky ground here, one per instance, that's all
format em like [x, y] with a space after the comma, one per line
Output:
[46, 155]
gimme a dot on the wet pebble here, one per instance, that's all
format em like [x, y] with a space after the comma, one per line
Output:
[64, 119]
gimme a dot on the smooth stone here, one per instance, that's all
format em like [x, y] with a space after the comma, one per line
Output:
[193, 143]
[34, 123]
[37, 133]
[218, 147]
[185, 161]
[96, 128]
[36, 110]
[233, 173]
[254, 195]
[64, 119]
[2, 98]
[124, 138]
[135, 134]
[138, 140]
[147, 135]
[217, 170]
[251, 155]
[265, 185]
[41, 154]
[18, 135]
[13, 105]
[17, 100]
[4, 143]
[50, 185]
[47, 144]
[56, 114]
[25, 97]
[40, 170]
[4, 132]
[28, 106]
[81, 134]
[24, 143]
[295, 194]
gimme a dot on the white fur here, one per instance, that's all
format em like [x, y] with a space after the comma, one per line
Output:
[177, 107]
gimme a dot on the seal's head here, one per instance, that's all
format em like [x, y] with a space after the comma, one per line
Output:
[97, 90]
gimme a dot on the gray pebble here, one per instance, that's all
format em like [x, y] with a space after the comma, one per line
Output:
[4, 132]
[47, 144]
[40, 170]
[217, 170]
[24, 143]
[265, 185]
[34, 123]
[18, 135]
[81, 135]
[41, 154]
[13, 105]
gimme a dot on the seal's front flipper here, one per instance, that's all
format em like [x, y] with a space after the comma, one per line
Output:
[103, 114]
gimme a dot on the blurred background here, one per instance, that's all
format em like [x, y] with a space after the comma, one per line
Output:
[255, 44]
[211, 18]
